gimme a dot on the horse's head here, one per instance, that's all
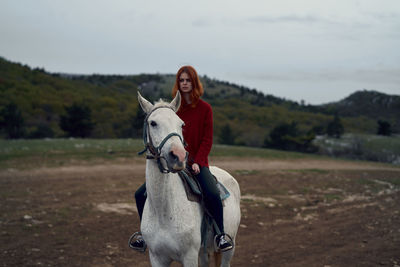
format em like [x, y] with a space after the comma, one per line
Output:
[163, 134]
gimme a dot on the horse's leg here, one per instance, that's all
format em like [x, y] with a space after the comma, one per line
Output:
[191, 258]
[226, 258]
[204, 258]
[158, 261]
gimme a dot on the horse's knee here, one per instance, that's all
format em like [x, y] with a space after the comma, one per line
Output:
[158, 261]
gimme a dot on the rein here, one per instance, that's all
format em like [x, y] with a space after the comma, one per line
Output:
[149, 146]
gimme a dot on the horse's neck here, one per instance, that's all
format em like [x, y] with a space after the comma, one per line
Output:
[164, 191]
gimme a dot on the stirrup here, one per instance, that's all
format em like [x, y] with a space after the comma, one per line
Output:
[137, 236]
[228, 239]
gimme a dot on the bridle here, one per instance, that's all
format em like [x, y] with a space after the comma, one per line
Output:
[155, 152]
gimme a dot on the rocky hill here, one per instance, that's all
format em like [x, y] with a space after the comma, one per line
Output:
[371, 104]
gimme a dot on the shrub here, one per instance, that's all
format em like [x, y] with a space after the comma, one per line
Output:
[384, 128]
[42, 131]
[335, 127]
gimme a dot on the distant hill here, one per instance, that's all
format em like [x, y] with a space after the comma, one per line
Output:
[42, 98]
[371, 104]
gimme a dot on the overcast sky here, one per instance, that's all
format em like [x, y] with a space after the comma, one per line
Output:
[313, 50]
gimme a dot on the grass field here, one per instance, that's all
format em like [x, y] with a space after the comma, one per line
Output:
[362, 146]
[56, 152]
[22, 154]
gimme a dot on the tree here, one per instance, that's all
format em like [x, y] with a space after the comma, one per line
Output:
[226, 135]
[278, 137]
[335, 127]
[78, 121]
[287, 137]
[384, 128]
[137, 122]
[12, 122]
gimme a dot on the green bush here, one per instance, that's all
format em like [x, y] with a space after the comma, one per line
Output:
[287, 137]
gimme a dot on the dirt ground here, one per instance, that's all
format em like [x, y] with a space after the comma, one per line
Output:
[294, 213]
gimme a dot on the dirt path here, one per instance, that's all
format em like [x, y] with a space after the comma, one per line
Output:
[230, 164]
[260, 164]
[294, 213]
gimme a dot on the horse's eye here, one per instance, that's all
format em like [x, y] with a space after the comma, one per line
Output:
[182, 125]
[153, 123]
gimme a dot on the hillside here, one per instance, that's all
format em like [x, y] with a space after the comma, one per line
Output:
[371, 104]
[42, 97]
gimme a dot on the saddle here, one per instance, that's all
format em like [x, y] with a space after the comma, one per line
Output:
[193, 189]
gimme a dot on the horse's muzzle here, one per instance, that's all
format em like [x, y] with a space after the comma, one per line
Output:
[177, 159]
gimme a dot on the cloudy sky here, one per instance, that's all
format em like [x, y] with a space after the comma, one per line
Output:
[313, 50]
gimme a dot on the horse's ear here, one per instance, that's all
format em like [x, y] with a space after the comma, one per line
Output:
[176, 102]
[146, 105]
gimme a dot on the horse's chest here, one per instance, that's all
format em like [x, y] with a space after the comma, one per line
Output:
[177, 235]
[172, 228]
[171, 241]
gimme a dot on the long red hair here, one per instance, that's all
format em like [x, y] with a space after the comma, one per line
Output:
[197, 87]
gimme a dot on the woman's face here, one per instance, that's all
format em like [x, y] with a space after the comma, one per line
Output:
[184, 83]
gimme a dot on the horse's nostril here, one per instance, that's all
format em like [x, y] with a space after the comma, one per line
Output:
[173, 156]
[177, 154]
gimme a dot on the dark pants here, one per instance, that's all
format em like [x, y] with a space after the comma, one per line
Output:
[211, 197]
[140, 196]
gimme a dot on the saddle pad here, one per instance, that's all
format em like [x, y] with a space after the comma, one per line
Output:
[191, 186]
[193, 190]
[223, 192]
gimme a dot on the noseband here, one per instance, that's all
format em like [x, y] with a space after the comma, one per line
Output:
[149, 145]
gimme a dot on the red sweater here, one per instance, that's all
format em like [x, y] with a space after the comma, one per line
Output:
[198, 131]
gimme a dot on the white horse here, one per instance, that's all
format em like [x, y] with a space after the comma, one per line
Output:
[171, 224]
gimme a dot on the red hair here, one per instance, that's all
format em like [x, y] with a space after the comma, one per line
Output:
[197, 87]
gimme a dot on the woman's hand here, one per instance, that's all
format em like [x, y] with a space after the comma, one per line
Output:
[196, 168]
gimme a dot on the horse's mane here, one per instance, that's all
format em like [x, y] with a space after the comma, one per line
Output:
[161, 103]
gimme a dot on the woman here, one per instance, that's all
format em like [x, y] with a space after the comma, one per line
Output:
[198, 134]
